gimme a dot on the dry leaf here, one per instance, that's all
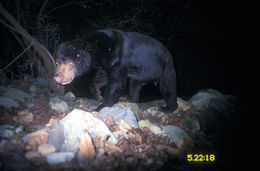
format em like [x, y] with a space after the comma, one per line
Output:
[35, 139]
[171, 150]
[87, 149]
[138, 138]
[185, 143]
[111, 148]
[25, 117]
[108, 147]
[124, 126]
[110, 122]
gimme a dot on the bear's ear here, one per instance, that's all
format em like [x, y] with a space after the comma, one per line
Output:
[92, 49]
[80, 44]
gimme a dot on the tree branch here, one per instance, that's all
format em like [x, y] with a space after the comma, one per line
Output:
[43, 52]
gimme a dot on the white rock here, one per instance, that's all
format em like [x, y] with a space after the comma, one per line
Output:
[144, 123]
[203, 98]
[5, 131]
[175, 133]
[156, 129]
[45, 149]
[14, 93]
[120, 113]
[32, 155]
[58, 105]
[56, 158]
[66, 135]
[8, 102]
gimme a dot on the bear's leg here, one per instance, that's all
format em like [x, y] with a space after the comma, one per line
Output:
[168, 89]
[117, 81]
[171, 101]
[98, 82]
[134, 90]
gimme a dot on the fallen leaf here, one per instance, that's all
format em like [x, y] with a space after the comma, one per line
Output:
[124, 126]
[110, 122]
[33, 140]
[86, 148]
[185, 143]
[172, 151]
[138, 138]
[111, 148]
[25, 117]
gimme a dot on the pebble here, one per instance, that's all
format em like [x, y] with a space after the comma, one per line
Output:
[45, 149]
[56, 158]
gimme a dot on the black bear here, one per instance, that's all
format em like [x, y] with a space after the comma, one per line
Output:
[119, 56]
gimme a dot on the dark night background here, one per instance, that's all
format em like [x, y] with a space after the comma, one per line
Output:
[203, 37]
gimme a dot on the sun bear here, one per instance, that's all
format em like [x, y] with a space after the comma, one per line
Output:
[119, 56]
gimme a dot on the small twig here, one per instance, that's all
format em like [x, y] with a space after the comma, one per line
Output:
[7, 25]
[17, 57]
[64, 5]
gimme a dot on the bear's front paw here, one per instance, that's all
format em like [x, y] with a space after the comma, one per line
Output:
[99, 107]
[168, 110]
[102, 106]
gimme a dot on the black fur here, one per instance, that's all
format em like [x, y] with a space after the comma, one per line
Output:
[123, 55]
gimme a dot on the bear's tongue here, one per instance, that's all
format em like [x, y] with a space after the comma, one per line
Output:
[61, 81]
[58, 79]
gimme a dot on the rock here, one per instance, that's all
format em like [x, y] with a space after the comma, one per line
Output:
[6, 131]
[191, 124]
[149, 162]
[203, 98]
[38, 89]
[8, 102]
[35, 139]
[154, 111]
[61, 157]
[14, 161]
[120, 113]
[129, 159]
[156, 129]
[155, 103]
[215, 111]
[174, 133]
[59, 105]
[153, 106]
[120, 133]
[31, 155]
[14, 93]
[69, 95]
[19, 129]
[183, 105]
[133, 106]
[40, 81]
[67, 134]
[172, 151]
[25, 117]
[45, 149]
[30, 103]
[3, 143]
[144, 123]
[185, 143]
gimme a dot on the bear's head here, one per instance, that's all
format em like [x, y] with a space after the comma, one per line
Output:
[72, 60]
